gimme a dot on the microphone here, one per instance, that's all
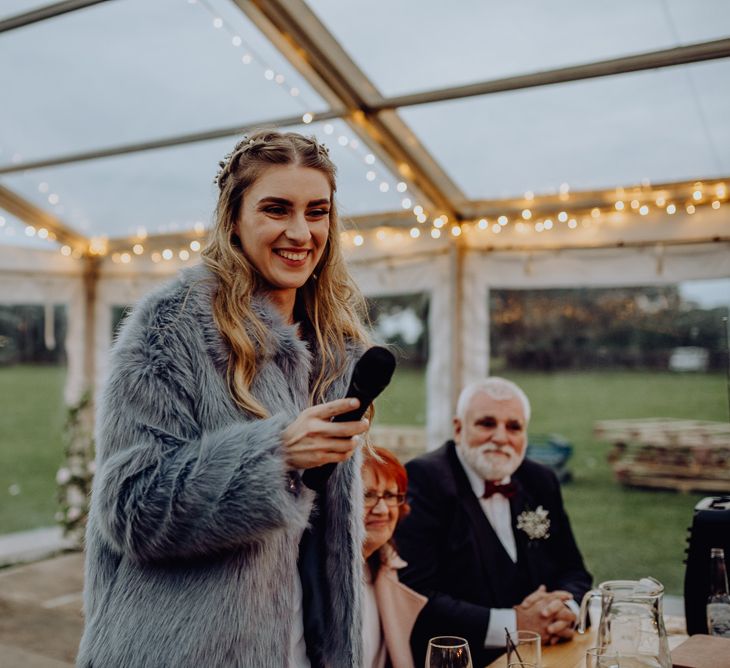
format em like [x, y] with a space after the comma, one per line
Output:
[370, 377]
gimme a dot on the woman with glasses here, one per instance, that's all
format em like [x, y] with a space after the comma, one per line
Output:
[390, 608]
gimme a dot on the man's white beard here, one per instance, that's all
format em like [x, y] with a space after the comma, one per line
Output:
[489, 465]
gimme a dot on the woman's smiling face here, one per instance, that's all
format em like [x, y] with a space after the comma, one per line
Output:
[284, 223]
[380, 519]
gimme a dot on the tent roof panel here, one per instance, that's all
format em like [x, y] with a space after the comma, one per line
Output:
[664, 125]
[171, 190]
[14, 7]
[399, 47]
[123, 72]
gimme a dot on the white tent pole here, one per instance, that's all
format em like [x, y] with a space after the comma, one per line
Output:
[438, 367]
[475, 322]
[443, 370]
[75, 346]
[90, 282]
[456, 318]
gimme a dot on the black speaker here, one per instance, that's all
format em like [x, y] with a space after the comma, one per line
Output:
[710, 528]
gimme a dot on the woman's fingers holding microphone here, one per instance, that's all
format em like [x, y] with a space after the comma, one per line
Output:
[331, 409]
[318, 450]
[313, 439]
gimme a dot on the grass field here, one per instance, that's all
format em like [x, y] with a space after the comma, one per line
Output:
[31, 449]
[622, 533]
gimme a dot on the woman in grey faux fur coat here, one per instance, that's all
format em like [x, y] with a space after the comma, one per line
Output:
[221, 391]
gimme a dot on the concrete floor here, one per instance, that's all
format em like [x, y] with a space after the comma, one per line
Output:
[40, 613]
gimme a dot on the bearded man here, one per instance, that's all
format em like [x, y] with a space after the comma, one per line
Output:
[487, 539]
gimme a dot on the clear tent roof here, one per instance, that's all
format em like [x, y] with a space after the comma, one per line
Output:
[414, 45]
[196, 74]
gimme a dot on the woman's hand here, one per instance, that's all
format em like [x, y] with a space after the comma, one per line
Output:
[313, 439]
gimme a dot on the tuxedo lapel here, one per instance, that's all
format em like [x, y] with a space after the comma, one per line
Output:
[519, 503]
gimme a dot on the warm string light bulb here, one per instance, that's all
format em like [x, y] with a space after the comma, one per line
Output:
[97, 246]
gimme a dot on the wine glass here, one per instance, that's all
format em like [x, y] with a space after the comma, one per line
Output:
[448, 652]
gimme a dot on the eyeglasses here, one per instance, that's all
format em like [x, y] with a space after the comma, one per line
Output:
[391, 500]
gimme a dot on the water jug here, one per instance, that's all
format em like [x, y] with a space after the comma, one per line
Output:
[631, 624]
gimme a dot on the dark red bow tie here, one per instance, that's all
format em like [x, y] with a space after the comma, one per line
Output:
[490, 487]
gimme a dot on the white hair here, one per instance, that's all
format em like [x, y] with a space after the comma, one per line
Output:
[497, 388]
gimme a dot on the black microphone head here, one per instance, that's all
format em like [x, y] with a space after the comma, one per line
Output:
[373, 371]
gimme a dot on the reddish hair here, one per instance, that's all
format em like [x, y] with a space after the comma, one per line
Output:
[386, 465]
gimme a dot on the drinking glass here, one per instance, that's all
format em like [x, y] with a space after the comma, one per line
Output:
[602, 657]
[523, 646]
[448, 652]
[522, 664]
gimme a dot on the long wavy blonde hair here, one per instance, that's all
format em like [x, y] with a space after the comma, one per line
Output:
[333, 305]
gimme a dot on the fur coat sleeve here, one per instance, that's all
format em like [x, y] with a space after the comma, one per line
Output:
[170, 484]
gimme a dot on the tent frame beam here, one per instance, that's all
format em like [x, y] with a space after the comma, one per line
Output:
[681, 55]
[45, 12]
[30, 214]
[165, 142]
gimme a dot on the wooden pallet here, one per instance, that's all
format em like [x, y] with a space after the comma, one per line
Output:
[666, 453]
[667, 432]
[683, 485]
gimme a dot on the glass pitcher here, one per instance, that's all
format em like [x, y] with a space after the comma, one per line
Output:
[632, 624]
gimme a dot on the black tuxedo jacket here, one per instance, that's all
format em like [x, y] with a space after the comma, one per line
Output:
[456, 559]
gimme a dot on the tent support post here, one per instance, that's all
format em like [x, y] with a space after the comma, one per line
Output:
[90, 282]
[474, 332]
[456, 320]
[444, 368]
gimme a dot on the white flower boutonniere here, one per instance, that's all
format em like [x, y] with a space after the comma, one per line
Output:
[535, 523]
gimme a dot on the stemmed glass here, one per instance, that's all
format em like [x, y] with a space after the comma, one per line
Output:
[448, 652]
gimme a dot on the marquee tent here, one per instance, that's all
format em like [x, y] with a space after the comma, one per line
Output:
[480, 145]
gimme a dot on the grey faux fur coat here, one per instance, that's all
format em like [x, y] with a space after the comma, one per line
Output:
[195, 524]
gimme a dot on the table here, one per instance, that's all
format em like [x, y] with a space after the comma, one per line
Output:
[572, 654]
[569, 654]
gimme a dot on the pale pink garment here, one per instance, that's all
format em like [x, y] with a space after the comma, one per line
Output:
[399, 606]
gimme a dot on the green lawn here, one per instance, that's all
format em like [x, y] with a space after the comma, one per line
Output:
[623, 533]
[31, 449]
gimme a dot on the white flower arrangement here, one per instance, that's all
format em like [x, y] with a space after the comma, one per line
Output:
[75, 476]
[535, 523]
